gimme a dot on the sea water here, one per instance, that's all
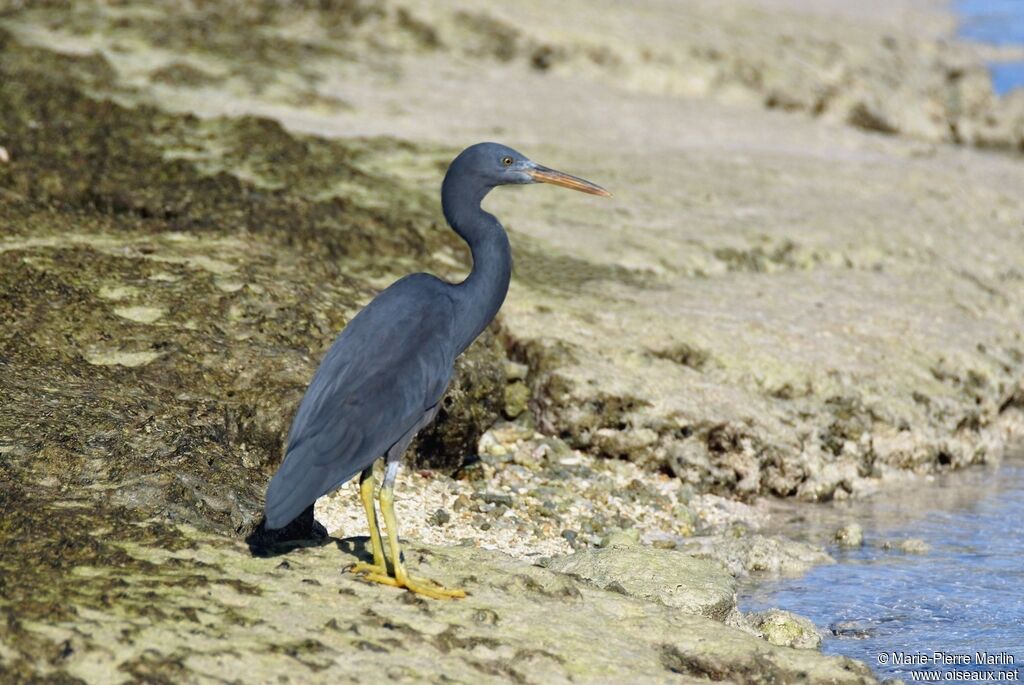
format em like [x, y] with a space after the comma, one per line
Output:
[954, 612]
[997, 22]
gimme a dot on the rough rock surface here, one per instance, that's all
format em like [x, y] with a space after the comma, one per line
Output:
[145, 601]
[786, 628]
[163, 310]
[850, 535]
[771, 304]
[747, 553]
[781, 302]
[690, 584]
[907, 545]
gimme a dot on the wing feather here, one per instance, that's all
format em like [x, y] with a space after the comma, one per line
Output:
[387, 368]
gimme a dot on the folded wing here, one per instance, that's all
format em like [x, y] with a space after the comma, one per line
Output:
[389, 366]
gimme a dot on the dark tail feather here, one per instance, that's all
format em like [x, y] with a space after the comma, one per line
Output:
[290, 493]
[303, 531]
[295, 486]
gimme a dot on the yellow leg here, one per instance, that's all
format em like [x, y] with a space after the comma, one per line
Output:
[401, 578]
[379, 565]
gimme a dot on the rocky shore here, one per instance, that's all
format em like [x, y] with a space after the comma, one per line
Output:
[808, 284]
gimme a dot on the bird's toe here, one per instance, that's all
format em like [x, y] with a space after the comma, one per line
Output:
[419, 586]
[361, 567]
[429, 588]
[382, 578]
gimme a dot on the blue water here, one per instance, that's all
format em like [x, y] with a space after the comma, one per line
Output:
[966, 595]
[1007, 75]
[997, 22]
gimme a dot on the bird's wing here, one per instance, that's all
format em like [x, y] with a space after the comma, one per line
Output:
[390, 365]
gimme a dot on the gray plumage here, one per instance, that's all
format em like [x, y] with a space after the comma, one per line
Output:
[382, 379]
[386, 371]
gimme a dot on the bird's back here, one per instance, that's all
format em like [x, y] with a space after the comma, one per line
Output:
[389, 366]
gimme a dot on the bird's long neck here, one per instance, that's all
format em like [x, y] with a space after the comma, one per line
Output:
[480, 296]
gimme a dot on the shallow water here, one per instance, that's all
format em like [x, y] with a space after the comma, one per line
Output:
[998, 22]
[965, 595]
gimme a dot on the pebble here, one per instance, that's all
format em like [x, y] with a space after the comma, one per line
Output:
[850, 535]
[786, 629]
[855, 630]
[517, 398]
[494, 498]
[440, 517]
[528, 502]
[908, 546]
[686, 520]
[514, 371]
[622, 538]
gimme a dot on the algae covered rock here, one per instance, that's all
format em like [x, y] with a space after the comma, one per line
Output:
[906, 545]
[197, 606]
[786, 629]
[517, 397]
[629, 537]
[850, 535]
[474, 401]
[168, 285]
[761, 554]
[692, 585]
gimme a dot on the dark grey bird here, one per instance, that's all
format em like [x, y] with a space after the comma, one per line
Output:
[382, 379]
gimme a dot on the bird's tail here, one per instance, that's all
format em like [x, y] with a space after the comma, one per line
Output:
[297, 485]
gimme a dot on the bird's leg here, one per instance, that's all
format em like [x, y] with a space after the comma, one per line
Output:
[379, 565]
[401, 578]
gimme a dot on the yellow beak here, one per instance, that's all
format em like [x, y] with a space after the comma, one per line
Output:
[542, 174]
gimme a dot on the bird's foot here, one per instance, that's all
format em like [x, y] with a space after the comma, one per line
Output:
[375, 570]
[429, 588]
[419, 586]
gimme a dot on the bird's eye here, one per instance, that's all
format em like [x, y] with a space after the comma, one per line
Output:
[507, 161]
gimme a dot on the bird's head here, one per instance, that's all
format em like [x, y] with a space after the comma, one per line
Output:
[497, 165]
